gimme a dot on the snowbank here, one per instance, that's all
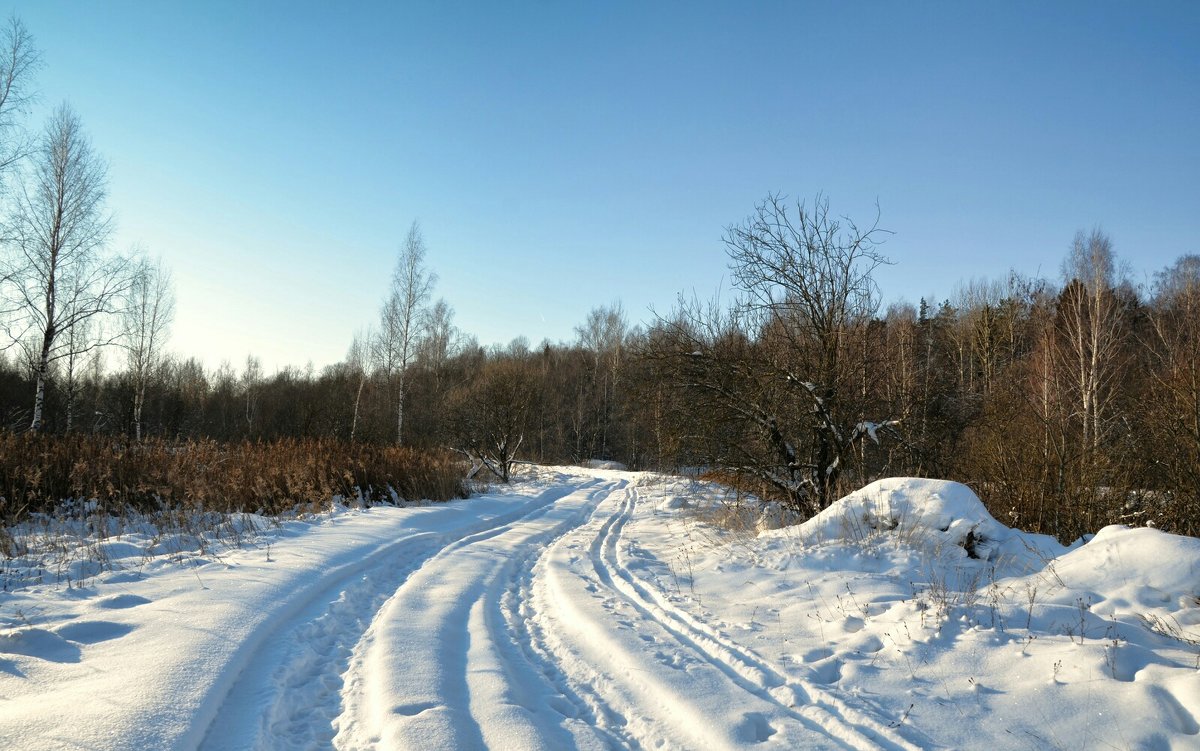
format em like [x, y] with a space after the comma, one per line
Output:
[1028, 644]
[938, 515]
[1139, 572]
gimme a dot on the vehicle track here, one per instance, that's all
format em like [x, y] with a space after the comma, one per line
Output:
[288, 691]
[448, 644]
[517, 607]
[659, 690]
[527, 630]
[857, 727]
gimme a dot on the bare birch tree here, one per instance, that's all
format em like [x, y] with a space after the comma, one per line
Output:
[603, 337]
[146, 316]
[358, 368]
[403, 317]
[251, 384]
[440, 340]
[70, 370]
[19, 60]
[1094, 327]
[56, 272]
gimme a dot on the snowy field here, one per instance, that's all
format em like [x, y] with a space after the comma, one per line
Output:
[597, 609]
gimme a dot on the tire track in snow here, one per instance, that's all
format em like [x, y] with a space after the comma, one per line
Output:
[517, 606]
[288, 690]
[850, 725]
[439, 667]
[663, 691]
[580, 704]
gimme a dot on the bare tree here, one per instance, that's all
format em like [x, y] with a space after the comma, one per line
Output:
[19, 60]
[976, 334]
[251, 384]
[603, 337]
[146, 317]
[1173, 409]
[1093, 321]
[782, 380]
[491, 414]
[357, 362]
[440, 340]
[810, 296]
[73, 367]
[56, 273]
[403, 317]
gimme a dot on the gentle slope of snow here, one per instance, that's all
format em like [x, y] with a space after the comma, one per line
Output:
[597, 608]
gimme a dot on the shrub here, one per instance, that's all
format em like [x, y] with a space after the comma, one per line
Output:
[38, 472]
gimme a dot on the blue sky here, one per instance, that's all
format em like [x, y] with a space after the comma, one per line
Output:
[565, 155]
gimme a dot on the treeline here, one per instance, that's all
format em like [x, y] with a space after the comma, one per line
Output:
[1067, 404]
[552, 402]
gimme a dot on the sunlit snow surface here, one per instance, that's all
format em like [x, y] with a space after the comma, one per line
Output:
[592, 608]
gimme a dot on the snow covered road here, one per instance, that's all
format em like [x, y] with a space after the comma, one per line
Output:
[597, 609]
[532, 633]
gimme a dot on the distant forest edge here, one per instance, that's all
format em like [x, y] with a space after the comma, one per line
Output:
[1067, 405]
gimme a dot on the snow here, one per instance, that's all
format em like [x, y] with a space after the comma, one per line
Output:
[596, 608]
[871, 429]
[933, 515]
[603, 464]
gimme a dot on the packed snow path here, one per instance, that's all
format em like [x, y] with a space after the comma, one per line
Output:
[532, 633]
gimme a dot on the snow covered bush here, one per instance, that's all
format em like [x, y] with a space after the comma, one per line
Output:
[930, 513]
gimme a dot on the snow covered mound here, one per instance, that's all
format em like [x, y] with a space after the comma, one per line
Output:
[936, 514]
[1124, 569]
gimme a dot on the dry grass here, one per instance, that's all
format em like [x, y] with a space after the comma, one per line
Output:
[741, 484]
[39, 472]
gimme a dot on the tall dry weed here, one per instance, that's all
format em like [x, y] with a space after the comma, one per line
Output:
[38, 473]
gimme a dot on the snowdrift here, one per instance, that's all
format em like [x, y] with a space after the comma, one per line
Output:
[1120, 569]
[939, 515]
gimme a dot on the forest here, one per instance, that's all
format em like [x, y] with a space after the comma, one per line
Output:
[1067, 403]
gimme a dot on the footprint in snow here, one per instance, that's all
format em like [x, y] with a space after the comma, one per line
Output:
[820, 653]
[39, 643]
[826, 672]
[673, 660]
[754, 728]
[120, 602]
[92, 632]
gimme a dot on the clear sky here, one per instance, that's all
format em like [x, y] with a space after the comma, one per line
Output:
[564, 155]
